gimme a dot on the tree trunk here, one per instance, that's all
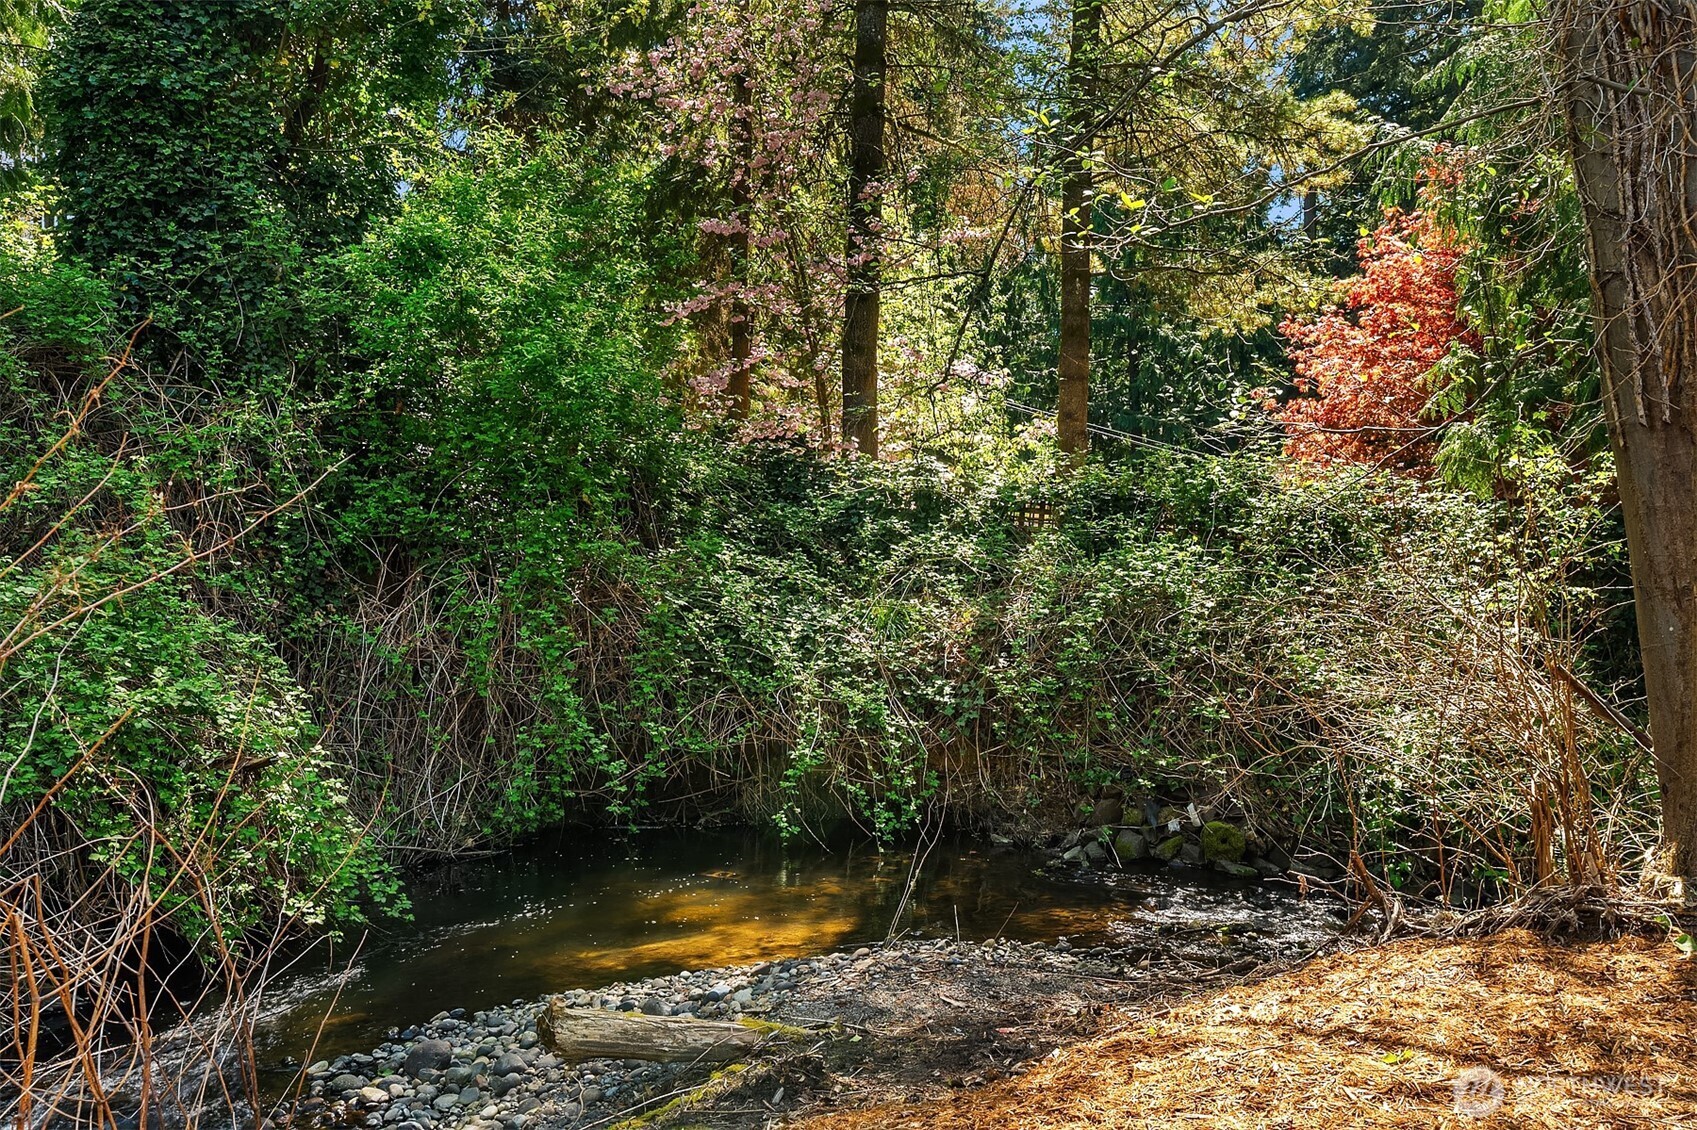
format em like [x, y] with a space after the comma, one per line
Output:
[865, 211]
[578, 1034]
[1630, 90]
[1072, 423]
[739, 389]
[711, 323]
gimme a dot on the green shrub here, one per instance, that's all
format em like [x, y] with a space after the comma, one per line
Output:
[176, 749]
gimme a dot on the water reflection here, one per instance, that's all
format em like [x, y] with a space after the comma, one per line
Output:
[573, 911]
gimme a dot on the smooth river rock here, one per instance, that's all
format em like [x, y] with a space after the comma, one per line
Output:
[428, 1055]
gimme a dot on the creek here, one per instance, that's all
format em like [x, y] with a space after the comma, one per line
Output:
[574, 910]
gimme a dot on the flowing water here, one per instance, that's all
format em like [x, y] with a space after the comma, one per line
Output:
[578, 912]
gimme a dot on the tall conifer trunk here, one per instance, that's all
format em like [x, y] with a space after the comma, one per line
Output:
[1628, 70]
[865, 210]
[1072, 423]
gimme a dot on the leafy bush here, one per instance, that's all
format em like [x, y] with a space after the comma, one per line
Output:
[495, 359]
[171, 742]
[489, 365]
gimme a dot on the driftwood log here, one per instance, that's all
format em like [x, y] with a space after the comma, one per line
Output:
[577, 1034]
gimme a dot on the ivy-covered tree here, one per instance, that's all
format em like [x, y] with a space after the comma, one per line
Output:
[168, 155]
[202, 148]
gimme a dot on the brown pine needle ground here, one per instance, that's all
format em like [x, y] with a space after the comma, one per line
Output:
[1588, 1035]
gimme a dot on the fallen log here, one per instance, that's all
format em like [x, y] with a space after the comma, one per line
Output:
[577, 1034]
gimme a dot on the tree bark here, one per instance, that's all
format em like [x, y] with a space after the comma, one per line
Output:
[1630, 92]
[578, 1034]
[711, 324]
[865, 211]
[1072, 418]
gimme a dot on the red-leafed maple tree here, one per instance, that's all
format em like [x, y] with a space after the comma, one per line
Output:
[1362, 367]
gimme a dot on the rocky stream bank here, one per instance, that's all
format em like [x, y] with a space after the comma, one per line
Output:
[904, 1019]
[1118, 833]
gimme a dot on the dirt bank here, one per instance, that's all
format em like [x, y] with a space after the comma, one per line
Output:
[1506, 1032]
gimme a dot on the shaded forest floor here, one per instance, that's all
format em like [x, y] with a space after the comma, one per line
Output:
[1600, 1034]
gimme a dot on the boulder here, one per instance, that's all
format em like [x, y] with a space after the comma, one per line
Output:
[1108, 810]
[1130, 845]
[428, 1055]
[509, 1063]
[1169, 848]
[1236, 870]
[1222, 841]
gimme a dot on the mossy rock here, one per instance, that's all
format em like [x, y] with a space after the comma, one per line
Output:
[1169, 816]
[1130, 845]
[1169, 848]
[1222, 842]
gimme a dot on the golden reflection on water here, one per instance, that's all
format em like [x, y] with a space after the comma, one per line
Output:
[697, 928]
